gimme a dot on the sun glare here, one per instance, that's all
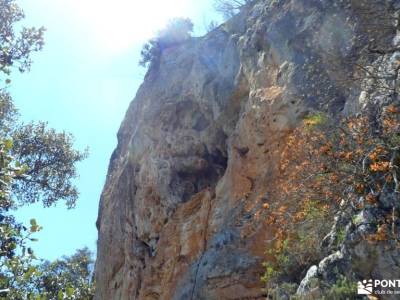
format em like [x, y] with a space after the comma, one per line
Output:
[117, 25]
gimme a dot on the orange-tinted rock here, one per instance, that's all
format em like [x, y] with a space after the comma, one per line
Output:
[182, 214]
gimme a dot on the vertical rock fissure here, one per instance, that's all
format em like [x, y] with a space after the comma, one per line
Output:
[205, 241]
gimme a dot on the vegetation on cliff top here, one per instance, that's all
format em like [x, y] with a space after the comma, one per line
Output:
[179, 30]
[176, 32]
[228, 8]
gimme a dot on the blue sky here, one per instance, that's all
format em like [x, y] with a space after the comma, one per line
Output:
[82, 82]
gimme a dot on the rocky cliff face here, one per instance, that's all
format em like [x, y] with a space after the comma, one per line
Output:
[181, 214]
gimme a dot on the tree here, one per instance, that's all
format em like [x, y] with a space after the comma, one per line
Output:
[11, 233]
[36, 164]
[8, 113]
[176, 32]
[16, 49]
[70, 277]
[49, 159]
[229, 8]
[15, 255]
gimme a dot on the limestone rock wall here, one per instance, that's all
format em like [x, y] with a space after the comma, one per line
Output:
[180, 215]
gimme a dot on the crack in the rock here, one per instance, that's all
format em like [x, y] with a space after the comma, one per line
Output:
[204, 248]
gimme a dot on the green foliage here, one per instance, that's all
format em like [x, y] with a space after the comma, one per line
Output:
[315, 119]
[312, 211]
[36, 164]
[50, 160]
[356, 219]
[67, 278]
[284, 291]
[70, 277]
[12, 234]
[46, 158]
[340, 236]
[281, 264]
[329, 166]
[177, 31]
[15, 256]
[344, 288]
[8, 113]
[16, 273]
[16, 48]
[270, 272]
[299, 248]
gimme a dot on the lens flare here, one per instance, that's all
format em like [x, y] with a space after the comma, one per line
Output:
[116, 25]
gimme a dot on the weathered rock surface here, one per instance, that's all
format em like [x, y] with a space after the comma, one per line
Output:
[181, 212]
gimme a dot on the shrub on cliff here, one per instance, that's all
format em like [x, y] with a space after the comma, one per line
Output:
[177, 31]
[229, 8]
[326, 166]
